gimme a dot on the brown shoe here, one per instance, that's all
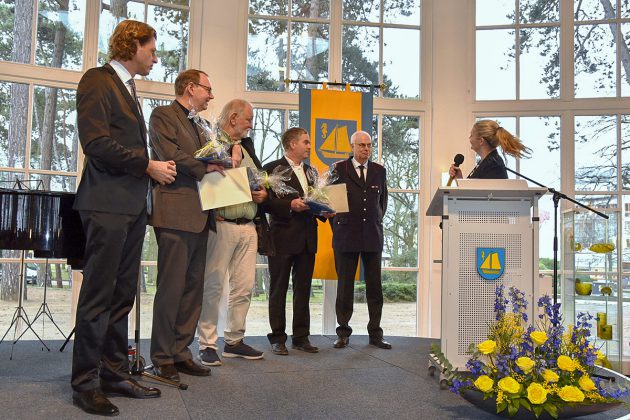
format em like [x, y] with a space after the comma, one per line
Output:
[341, 342]
[191, 368]
[129, 388]
[279, 349]
[167, 372]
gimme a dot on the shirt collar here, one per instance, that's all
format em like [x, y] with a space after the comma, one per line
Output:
[121, 71]
[356, 163]
[293, 164]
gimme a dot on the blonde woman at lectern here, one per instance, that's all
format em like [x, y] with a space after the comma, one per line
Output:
[485, 137]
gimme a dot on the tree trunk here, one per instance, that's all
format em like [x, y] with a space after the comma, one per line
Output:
[609, 13]
[58, 276]
[21, 53]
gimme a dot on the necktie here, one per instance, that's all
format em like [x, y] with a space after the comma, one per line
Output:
[362, 175]
[132, 84]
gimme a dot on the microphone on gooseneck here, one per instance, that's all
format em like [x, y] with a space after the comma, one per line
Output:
[457, 160]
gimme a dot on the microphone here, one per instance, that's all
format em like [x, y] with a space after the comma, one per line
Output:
[457, 160]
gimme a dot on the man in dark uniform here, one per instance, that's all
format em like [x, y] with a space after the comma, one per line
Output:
[359, 233]
[112, 202]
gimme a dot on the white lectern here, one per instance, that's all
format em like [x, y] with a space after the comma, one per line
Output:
[482, 219]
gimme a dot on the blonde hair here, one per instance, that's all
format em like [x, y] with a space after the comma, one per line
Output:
[495, 136]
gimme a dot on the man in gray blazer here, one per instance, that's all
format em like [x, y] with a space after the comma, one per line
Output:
[181, 227]
[112, 202]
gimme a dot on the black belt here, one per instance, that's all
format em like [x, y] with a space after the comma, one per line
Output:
[239, 220]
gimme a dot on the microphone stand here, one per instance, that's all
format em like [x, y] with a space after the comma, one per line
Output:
[557, 195]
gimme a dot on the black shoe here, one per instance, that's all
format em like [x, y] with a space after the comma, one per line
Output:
[279, 349]
[380, 343]
[129, 388]
[191, 368]
[305, 346]
[167, 372]
[341, 342]
[94, 402]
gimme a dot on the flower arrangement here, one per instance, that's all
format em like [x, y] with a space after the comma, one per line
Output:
[542, 367]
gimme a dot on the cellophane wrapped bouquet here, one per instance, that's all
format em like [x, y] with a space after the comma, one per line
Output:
[216, 149]
[316, 196]
[276, 180]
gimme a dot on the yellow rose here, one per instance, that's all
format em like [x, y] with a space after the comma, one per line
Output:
[538, 337]
[586, 383]
[566, 363]
[600, 355]
[536, 393]
[550, 376]
[484, 383]
[525, 363]
[487, 347]
[509, 384]
[570, 393]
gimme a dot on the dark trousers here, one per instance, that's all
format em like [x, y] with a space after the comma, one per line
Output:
[300, 267]
[110, 278]
[346, 264]
[177, 305]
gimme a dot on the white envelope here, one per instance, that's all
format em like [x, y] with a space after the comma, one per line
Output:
[338, 196]
[216, 190]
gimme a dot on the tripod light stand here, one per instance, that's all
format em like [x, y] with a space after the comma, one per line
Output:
[20, 314]
[43, 308]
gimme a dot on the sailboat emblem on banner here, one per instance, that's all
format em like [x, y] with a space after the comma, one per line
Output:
[332, 139]
[490, 262]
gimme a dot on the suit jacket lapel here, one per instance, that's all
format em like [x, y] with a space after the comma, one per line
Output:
[352, 173]
[133, 107]
[185, 121]
[371, 174]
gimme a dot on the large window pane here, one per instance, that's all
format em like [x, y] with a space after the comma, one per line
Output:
[625, 63]
[268, 7]
[171, 26]
[268, 128]
[266, 54]
[595, 74]
[13, 123]
[310, 8]
[401, 231]
[362, 10]
[56, 182]
[360, 55]
[595, 153]
[60, 34]
[401, 66]
[110, 17]
[309, 52]
[401, 147]
[399, 307]
[495, 64]
[625, 152]
[540, 63]
[542, 135]
[407, 13]
[592, 10]
[535, 11]
[17, 29]
[494, 12]
[54, 144]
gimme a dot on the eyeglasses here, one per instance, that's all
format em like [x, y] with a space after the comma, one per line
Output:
[207, 88]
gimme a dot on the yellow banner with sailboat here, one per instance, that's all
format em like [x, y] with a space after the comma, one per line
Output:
[331, 117]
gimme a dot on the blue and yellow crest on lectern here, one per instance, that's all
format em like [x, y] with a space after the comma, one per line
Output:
[490, 262]
[332, 139]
